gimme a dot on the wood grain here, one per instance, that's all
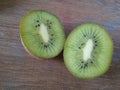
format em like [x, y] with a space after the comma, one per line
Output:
[20, 71]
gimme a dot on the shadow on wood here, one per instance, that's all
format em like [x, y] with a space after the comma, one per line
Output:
[7, 3]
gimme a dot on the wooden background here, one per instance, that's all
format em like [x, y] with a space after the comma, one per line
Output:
[20, 71]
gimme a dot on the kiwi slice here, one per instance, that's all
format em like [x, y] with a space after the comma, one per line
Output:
[88, 51]
[42, 34]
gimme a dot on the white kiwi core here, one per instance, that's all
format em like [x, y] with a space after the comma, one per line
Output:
[43, 32]
[87, 50]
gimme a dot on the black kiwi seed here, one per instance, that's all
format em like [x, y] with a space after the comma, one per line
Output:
[91, 62]
[82, 44]
[50, 23]
[95, 41]
[37, 21]
[51, 34]
[81, 67]
[51, 43]
[82, 62]
[38, 25]
[45, 46]
[86, 64]
[79, 47]
[94, 37]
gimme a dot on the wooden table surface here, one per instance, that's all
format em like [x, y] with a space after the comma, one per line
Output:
[20, 71]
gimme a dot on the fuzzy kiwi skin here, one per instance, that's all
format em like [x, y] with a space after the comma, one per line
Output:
[26, 47]
[66, 56]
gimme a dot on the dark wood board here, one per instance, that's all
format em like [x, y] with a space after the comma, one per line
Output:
[20, 71]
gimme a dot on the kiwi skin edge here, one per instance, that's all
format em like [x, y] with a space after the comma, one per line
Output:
[28, 50]
[108, 65]
[26, 47]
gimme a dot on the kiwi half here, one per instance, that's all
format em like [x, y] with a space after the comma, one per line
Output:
[42, 34]
[88, 51]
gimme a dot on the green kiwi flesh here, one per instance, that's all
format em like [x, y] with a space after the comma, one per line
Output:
[42, 34]
[88, 51]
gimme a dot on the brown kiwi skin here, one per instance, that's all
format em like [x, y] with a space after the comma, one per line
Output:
[31, 54]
